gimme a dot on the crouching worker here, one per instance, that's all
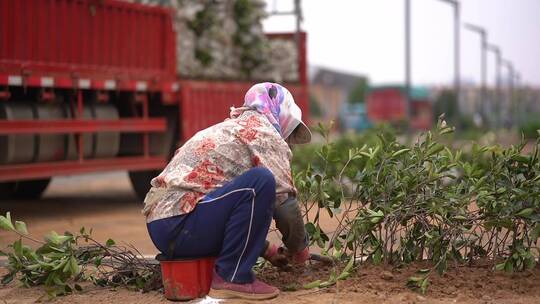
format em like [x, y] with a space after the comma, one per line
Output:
[220, 191]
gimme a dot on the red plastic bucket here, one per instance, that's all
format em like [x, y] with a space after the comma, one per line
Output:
[186, 279]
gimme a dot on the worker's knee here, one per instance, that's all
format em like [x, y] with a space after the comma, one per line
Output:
[262, 178]
[263, 183]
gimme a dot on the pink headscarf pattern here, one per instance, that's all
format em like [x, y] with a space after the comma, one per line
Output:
[273, 101]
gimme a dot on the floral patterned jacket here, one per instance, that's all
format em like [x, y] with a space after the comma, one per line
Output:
[213, 157]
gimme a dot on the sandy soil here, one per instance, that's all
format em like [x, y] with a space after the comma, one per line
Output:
[103, 202]
[370, 285]
[107, 203]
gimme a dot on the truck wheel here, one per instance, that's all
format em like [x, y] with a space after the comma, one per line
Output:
[24, 190]
[6, 190]
[140, 180]
[31, 189]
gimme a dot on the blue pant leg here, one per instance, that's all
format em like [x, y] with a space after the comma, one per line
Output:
[231, 222]
[247, 227]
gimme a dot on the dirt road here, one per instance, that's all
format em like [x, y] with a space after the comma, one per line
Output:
[106, 203]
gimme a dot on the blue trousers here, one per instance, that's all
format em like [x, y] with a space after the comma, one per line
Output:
[230, 223]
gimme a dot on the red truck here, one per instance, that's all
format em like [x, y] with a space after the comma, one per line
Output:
[91, 85]
[388, 104]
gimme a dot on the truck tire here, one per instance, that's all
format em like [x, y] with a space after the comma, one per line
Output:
[17, 149]
[140, 180]
[6, 190]
[31, 189]
[23, 190]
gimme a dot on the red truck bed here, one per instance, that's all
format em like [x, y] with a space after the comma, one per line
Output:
[388, 104]
[87, 44]
[206, 103]
[104, 53]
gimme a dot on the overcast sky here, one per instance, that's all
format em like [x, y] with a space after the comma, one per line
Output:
[366, 37]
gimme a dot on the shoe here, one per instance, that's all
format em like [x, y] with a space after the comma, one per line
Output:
[257, 290]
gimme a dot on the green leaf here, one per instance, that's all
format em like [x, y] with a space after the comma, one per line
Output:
[435, 149]
[67, 289]
[398, 153]
[74, 266]
[33, 266]
[310, 228]
[52, 293]
[424, 285]
[343, 275]
[5, 222]
[52, 237]
[366, 154]
[110, 242]
[349, 265]
[414, 279]
[520, 158]
[446, 130]
[58, 281]
[337, 244]
[17, 248]
[509, 266]
[327, 283]
[21, 227]
[64, 238]
[97, 262]
[377, 256]
[525, 212]
[67, 267]
[535, 233]
[314, 284]
[62, 264]
[441, 268]
[8, 278]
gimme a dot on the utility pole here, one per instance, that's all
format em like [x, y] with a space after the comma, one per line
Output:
[296, 12]
[519, 97]
[408, 60]
[497, 51]
[457, 77]
[511, 96]
[483, 65]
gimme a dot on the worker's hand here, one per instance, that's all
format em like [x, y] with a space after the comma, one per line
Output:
[300, 257]
[276, 256]
[297, 258]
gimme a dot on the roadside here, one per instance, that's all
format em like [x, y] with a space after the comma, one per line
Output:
[106, 203]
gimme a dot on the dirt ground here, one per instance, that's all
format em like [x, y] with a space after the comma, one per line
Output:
[106, 203]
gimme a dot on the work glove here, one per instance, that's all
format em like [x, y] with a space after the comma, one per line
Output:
[297, 258]
[276, 256]
[301, 256]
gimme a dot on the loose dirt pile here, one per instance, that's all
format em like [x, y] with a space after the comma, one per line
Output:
[475, 284]
[371, 284]
[108, 205]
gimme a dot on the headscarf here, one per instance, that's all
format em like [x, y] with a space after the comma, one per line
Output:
[273, 101]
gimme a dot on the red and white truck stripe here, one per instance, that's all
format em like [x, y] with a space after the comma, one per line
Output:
[88, 84]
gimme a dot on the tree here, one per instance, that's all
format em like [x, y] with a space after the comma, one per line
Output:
[314, 106]
[358, 92]
[446, 103]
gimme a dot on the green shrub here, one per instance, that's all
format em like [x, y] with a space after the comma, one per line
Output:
[530, 128]
[61, 262]
[400, 203]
